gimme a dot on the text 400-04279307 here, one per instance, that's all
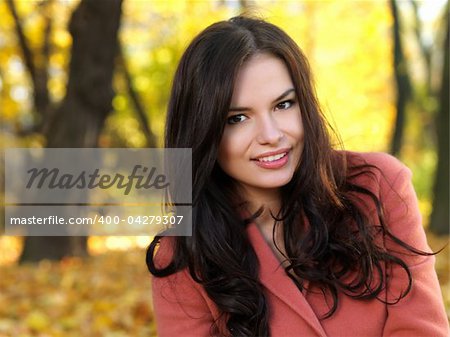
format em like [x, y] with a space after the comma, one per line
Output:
[142, 219]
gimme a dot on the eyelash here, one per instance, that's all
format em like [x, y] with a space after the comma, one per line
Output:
[230, 119]
[290, 102]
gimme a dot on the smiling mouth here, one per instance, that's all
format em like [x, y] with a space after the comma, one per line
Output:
[269, 159]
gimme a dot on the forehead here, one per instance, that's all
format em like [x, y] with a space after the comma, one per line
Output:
[262, 76]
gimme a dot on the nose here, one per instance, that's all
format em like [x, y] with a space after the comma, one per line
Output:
[268, 131]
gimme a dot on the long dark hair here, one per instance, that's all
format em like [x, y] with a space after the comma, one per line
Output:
[340, 238]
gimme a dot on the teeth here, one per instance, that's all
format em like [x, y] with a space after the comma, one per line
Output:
[272, 158]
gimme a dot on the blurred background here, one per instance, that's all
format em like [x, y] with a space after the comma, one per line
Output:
[97, 73]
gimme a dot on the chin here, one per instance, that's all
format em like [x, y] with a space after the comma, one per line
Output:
[276, 183]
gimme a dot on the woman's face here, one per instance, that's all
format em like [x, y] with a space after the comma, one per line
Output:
[263, 137]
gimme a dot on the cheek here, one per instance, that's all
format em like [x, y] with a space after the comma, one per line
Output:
[232, 148]
[300, 131]
[300, 137]
[293, 126]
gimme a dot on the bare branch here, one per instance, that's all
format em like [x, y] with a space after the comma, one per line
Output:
[134, 96]
[39, 75]
[26, 51]
[47, 45]
[426, 51]
[403, 84]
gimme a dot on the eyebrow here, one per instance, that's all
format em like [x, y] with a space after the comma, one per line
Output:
[283, 95]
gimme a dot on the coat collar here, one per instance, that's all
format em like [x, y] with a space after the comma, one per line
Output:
[274, 278]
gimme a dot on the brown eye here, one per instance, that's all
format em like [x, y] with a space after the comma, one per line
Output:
[284, 105]
[236, 119]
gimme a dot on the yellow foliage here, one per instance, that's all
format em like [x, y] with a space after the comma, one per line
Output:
[62, 39]
[10, 247]
[105, 295]
[37, 321]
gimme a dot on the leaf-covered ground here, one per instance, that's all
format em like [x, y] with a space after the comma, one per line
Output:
[107, 294]
[104, 295]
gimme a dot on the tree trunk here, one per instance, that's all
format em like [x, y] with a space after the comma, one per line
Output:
[403, 84]
[78, 121]
[439, 221]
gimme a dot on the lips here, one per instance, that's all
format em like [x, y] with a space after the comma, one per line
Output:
[273, 160]
[272, 155]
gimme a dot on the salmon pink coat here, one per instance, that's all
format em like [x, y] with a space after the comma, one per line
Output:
[182, 307]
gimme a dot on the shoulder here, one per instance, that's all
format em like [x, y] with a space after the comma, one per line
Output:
[385, 162]
[178, 279]
[382, 170]
[390, 182]
[178, 298]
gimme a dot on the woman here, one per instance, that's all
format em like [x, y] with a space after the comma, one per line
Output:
[290, 237]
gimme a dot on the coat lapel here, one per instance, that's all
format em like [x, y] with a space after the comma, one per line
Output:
[274, 278]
